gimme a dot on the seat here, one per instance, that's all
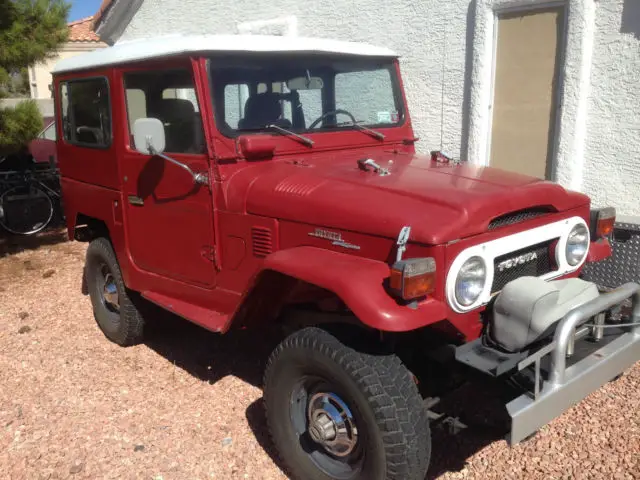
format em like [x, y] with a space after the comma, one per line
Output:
[261, 110]
[528, 309]
[178, 117]
[90, 135]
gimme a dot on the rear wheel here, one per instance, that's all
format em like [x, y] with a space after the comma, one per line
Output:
[336, 413]
[115, 308]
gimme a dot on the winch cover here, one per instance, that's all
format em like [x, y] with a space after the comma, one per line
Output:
[527, 308]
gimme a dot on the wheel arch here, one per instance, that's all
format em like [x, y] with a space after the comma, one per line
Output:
[92, 211]
[355, 281]
[86, 228]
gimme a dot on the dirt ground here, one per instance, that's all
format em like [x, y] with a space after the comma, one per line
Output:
[187, 403]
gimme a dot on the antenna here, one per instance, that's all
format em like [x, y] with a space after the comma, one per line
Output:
[444, 58]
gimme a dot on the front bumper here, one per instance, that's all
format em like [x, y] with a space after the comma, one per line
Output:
[565, 385]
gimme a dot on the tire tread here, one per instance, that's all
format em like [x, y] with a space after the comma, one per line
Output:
[390, 391]
[131, 329]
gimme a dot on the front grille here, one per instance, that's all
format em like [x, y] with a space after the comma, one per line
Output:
[541, 264]
[517, 217]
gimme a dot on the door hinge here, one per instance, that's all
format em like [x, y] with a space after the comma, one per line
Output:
[210, 253]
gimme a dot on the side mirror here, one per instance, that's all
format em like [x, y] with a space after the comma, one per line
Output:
[256, 146]
[148, 136]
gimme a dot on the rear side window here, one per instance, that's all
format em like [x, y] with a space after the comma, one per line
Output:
[86, 113]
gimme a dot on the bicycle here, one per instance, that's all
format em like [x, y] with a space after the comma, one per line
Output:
[29, 199]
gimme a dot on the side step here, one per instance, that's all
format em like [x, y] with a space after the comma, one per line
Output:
[209, 319]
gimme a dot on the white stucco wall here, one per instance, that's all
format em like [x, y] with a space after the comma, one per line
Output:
[447, 64]
[612, 143]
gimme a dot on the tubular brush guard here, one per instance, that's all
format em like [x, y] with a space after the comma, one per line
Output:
[570, 380]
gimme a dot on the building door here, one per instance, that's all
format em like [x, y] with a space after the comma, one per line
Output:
[528, 63]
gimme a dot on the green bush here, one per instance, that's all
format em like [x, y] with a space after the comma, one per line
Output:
[18, 126]
[30, 31]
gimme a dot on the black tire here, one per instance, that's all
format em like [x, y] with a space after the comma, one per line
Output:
[124, 325]
[392, 439]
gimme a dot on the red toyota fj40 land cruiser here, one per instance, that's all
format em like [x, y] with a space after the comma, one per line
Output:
[233, 179]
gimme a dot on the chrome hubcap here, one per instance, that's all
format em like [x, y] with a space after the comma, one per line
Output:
[331, 424]
[110, 293]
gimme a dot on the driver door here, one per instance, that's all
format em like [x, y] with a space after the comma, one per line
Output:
[169, 220]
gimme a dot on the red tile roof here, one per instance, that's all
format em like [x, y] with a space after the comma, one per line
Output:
[82, 31]
[98, 16]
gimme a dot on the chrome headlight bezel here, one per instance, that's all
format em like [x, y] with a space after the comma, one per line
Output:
[577, 245]
[474, 273]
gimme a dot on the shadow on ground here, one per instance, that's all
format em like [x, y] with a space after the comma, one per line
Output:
[244, 353]
[477, 405]
[449, 451]
[11, 244]
[210, 356]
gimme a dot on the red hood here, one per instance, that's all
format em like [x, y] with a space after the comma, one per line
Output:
[440, 202]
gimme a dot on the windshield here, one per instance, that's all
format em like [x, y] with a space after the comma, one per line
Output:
[304, 94]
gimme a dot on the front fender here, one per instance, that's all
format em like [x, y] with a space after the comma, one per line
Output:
[359, 283]
[599, 250]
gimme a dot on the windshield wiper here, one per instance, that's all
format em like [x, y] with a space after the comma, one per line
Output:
[363, 129]
[304, 140]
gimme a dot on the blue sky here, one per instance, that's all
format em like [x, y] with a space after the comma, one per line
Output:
[83, 8]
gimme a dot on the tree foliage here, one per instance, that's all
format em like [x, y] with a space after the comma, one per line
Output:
[30, 31]
[19, 126]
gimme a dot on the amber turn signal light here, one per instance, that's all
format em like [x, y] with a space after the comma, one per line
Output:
[413, 278]
[602, 221]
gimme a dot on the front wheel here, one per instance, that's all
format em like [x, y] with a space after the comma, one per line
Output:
[336, 413]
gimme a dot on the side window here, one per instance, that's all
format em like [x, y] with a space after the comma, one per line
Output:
[184, 93]
[136, 105]
[170, 97]
[86, 112]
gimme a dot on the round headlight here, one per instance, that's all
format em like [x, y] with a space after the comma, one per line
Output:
[577, 245]
[470, 281]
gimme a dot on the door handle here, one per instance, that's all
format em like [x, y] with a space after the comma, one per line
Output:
[135, 200]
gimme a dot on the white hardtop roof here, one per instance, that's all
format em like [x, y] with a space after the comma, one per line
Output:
[171, 45]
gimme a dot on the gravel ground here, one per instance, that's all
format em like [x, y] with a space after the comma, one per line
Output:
[187, 404]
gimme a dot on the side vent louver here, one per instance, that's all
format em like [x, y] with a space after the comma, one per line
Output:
[261, 240]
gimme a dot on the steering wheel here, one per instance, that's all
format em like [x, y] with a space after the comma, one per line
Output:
[332, 112]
